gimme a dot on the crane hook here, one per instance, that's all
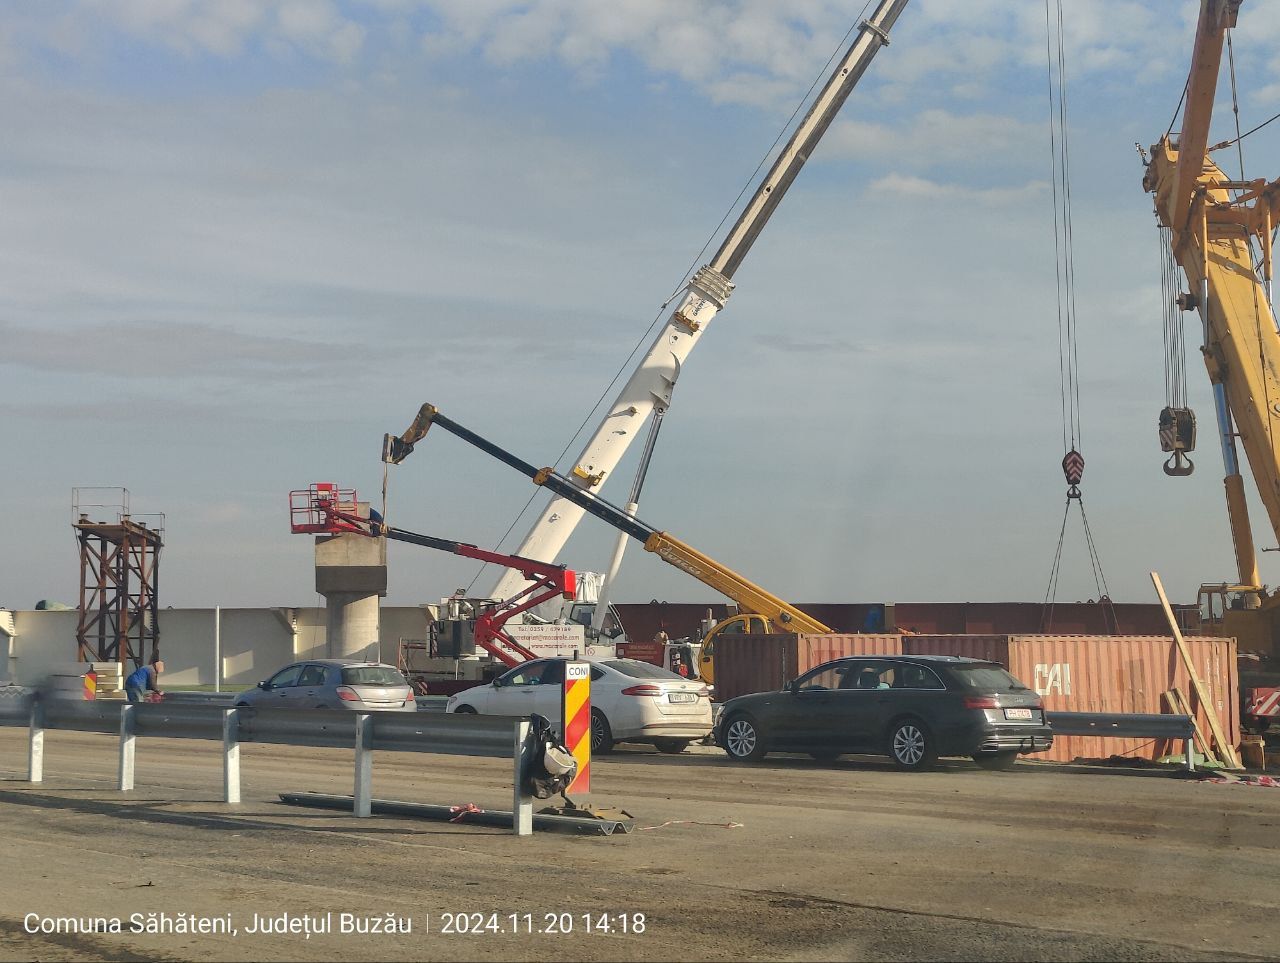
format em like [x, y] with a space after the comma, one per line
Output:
[1179, 465]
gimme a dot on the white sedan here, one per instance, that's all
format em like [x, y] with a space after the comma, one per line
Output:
[631, 701]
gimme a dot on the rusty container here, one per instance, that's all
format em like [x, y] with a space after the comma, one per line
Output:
[765, 663]
[1106, 673]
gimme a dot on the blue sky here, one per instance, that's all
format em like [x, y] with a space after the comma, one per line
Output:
[241, 240]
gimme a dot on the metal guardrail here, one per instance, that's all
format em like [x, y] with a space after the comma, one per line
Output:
[425, 703]
[364, 732]
[1126, 726]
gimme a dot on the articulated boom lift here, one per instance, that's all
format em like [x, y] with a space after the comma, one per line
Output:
[1213, 222]
[768, 611]
[324, 509]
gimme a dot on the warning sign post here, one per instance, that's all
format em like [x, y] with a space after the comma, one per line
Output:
[577, 722]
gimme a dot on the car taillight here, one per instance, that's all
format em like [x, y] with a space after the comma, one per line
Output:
[643, 690]
[347, 694]
[980, 702]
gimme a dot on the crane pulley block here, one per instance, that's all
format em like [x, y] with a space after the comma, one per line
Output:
[1178, 435]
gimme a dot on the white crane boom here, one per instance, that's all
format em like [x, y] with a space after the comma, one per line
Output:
[651, 383]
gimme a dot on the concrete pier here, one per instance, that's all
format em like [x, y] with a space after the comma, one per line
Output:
[351, 574]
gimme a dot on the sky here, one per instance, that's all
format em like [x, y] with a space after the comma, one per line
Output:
[242, 239]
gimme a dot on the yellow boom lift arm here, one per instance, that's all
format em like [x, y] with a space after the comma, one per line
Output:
[771, 612]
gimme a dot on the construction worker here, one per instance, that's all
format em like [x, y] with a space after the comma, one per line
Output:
[142, 680]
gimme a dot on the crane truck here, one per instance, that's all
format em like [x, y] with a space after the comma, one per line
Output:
[1213, 223]
[759, 609]
[648, 390]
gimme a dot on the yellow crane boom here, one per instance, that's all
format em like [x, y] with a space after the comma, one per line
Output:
[1213, 222]
[750, 597]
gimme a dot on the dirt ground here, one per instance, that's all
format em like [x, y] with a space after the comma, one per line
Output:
[791, 859]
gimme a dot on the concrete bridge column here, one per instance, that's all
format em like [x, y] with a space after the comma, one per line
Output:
[351, 574]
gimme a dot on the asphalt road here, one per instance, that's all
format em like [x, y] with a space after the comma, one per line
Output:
[787, 860]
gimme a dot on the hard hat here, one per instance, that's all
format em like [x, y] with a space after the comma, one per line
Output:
[559, 762]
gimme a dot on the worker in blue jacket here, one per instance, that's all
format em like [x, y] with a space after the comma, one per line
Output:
[143, 679]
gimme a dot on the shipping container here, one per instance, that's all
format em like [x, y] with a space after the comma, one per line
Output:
[642, 620]
[763, 663]
[1100, 673]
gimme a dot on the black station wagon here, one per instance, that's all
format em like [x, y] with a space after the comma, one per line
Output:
[910, 708]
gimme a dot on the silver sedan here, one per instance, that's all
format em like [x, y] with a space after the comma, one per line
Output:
[333, 684]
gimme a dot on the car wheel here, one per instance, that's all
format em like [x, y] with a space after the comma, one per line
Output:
[466, 711]
[743, 739]
[911, 745]
[601, 734]
[825, 756]
[671, 746]
[1000, 761]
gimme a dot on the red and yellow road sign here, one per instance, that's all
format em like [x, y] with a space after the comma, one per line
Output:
[577, 722]
[91, 685]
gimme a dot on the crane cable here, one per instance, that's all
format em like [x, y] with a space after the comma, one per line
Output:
[1068, 342]
[1175, 342]
[689, 271]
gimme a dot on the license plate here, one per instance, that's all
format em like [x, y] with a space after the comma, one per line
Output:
[1017, 713]
[681, 697]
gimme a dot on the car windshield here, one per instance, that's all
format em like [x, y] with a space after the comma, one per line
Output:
[986, 678]
[641, 670]
[372, 675]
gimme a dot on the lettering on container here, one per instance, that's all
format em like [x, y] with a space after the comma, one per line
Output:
[1051, 676]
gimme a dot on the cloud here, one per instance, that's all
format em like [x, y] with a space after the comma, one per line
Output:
[933, 136]
[141, 349]
[228, 28]
[904, 185]
[809, 345]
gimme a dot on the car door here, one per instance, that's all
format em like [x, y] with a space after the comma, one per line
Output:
[282, 688]
[310, 692]
[865, 704]
[517, 693]
[808, 716]
[548, 696]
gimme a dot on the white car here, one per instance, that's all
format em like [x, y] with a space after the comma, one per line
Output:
[631, 701]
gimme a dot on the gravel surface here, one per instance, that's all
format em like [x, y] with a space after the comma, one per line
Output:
[790, 859]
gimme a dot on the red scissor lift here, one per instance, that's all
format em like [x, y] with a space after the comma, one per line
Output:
[326, 509]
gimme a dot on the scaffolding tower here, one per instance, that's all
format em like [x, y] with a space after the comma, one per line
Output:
[119, 579]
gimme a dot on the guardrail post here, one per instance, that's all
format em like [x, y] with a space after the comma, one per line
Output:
[1190, 752]
[127, 741]
[522, 801]
[231, 755]
[35, 742]
[362, 802]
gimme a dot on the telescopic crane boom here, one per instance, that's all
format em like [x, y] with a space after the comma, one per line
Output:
[750, 597]
[651, 383]
[1213, 222]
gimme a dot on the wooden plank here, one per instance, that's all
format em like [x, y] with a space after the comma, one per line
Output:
[1225, 750]
[1177, 703]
